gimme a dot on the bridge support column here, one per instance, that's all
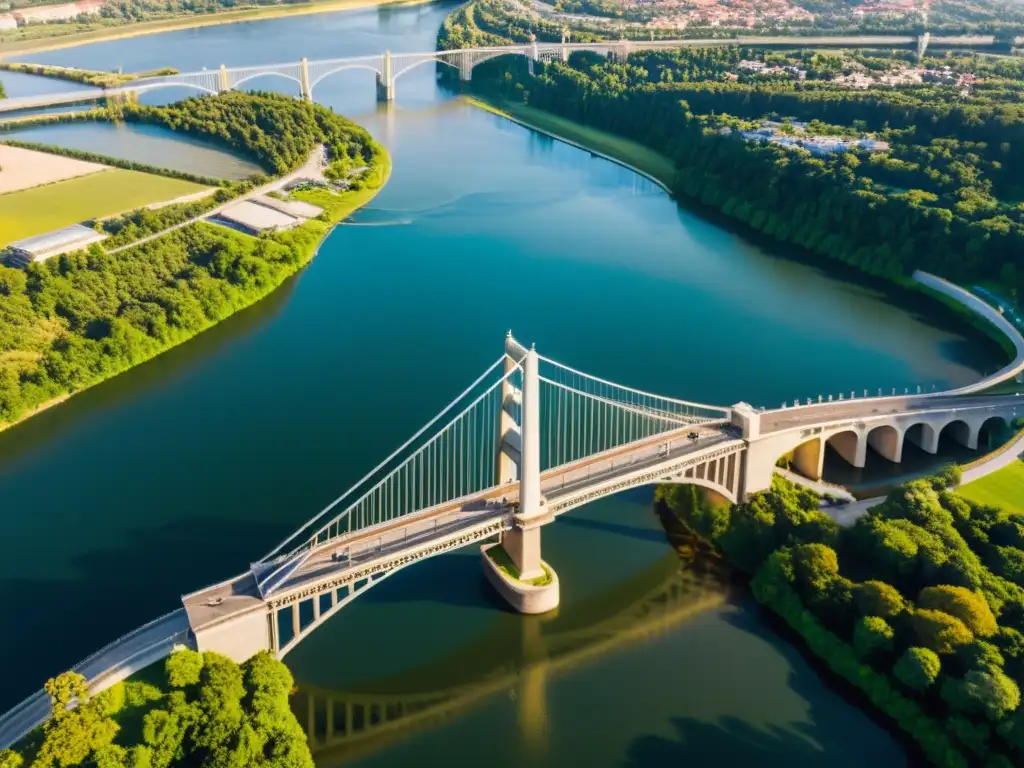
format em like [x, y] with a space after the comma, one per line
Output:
[223, 84]
[304, 87]
[922, 44]
[386, 80]
[465, 67]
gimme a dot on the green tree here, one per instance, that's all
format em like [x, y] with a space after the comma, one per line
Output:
[917, 668]
[968, 606]
[876, 598]
[939, 631]
[991, 693]
[184, 667]
[872, 634]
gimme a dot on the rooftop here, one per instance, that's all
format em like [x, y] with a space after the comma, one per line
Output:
[66, 238]
[258, 218]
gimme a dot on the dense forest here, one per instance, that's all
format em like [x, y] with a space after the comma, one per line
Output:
[946, 195]
[920, 604]
[79, 318]
[206, 711]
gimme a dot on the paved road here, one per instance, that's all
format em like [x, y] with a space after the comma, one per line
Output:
[311, 169]
[108, 666]
[864, 408]
[817, 486]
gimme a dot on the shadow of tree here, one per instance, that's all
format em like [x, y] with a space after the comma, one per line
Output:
[730, 742]
[51, 625]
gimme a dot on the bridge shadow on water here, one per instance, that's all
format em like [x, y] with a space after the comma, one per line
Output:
[833, 733]
[635, 532]
[453, 579]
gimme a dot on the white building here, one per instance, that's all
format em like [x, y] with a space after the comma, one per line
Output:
[42, 247]
[7, 21]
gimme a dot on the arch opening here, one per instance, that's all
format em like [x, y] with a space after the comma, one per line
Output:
[887, 441]
[157, 86]
[924, 435]
[343, 68]
[807, 459]
[960, 433]
[237, 85]
[849, 445]
[994, 431]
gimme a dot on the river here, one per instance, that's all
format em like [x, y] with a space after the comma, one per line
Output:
[184, 470]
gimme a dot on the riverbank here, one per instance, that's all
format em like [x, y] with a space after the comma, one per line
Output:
[20, 47]
[663, 172]
[625, 152]
[302, 242]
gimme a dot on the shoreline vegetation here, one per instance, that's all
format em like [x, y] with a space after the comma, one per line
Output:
[660, 170]
[194, 709]
[65, 330]
[943, 196]
[138, 29]
[930, 635]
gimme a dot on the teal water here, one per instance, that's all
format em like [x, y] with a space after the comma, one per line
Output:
[186, 469]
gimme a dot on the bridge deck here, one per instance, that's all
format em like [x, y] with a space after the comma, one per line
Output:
[356, 553]
[867, 408]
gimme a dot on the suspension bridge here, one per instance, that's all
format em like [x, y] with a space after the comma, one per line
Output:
[527, 441]
[306, 74]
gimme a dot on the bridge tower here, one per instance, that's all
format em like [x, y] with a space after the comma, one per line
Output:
[304, 87]
[522, 542]
[386, 79]
[223, 84]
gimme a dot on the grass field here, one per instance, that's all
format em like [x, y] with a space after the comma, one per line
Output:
[1003, 488]
[34, 211]
[628, 152]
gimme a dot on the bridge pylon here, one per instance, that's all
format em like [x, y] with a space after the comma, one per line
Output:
[522, 542]
[386, 79]
[223, 84]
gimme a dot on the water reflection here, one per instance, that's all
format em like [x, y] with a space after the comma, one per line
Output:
[517, 659]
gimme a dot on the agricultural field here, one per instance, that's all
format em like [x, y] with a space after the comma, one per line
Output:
[1003, 488]
[25, 168]
[34, 211]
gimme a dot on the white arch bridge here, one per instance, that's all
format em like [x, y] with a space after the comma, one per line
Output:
[388, 67]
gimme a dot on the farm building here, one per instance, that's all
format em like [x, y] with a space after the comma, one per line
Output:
[42, 247]
[266, 214]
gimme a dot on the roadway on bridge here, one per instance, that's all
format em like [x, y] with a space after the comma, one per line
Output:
[112, 664]
[868, 408]
[373, 548]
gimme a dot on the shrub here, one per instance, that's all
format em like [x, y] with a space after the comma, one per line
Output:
[183, 668]
[876, 598]
[970, 607]
[990, 693]
[872, 634]
[939, 631]
[917, 668]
